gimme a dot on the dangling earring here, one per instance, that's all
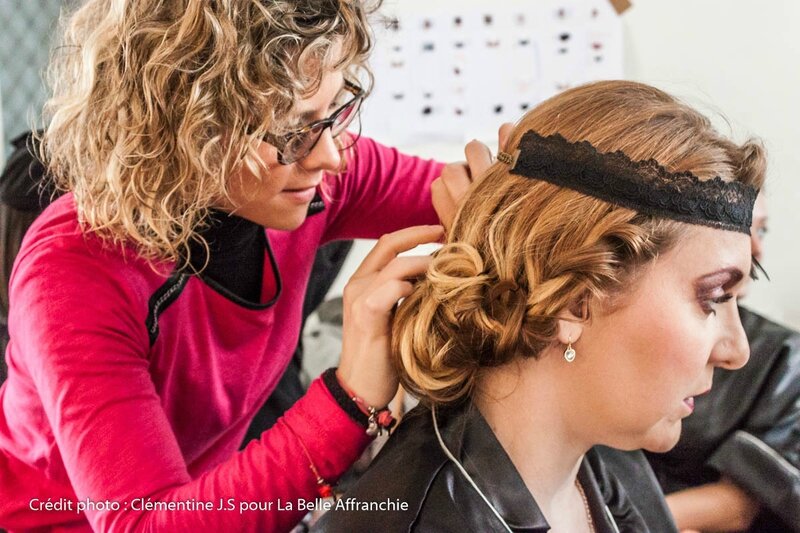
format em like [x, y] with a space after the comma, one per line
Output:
[569, 353]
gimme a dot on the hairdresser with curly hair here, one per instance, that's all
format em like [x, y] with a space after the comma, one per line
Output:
[152, 312]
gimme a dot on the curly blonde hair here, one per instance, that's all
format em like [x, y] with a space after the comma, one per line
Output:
[154, 104]
[521, 251]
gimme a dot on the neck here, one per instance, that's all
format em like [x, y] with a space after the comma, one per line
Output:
[529, 414]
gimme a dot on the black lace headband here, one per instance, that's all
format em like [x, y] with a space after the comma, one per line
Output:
[644, 186]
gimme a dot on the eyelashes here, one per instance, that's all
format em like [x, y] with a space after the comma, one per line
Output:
[756, 268]
[714, 289]
[708, 303]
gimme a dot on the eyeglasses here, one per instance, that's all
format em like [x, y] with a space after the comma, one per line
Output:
[297, 144]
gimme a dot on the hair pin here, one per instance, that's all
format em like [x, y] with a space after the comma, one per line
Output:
[508, 159]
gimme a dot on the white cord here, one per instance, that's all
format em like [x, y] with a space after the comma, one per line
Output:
[450, 456]
[464, 472]
[611, 518]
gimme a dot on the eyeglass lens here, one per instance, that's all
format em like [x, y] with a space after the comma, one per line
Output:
[300, 145]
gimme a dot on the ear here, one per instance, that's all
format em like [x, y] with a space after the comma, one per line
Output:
[571, 321]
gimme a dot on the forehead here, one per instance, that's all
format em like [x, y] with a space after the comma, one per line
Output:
[701, 251]
[331, 82]
[317, 103]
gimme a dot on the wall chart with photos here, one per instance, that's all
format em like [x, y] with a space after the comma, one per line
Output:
[451, 71]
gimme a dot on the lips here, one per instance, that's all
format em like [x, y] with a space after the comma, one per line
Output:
[299, 196]
[300, 189]
[689, 402]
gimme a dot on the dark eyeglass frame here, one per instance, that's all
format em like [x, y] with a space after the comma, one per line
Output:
[282, 141]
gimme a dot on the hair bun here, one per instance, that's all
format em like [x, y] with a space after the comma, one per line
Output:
[455, 327]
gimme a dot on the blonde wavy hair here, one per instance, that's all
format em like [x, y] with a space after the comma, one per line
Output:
[155, 103]
[521, 251]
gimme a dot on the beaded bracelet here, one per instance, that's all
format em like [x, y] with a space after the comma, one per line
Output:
[376, 420]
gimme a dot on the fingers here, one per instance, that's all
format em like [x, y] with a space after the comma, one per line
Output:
[374, 296]
[504, 134]
[395, 243]
[450, 188]
[443, 203]
[381, 300]
[405, 267]
[456, 180]
[369, 297]
[479, 158]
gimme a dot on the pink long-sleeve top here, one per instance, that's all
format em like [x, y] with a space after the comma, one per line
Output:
[130, 385]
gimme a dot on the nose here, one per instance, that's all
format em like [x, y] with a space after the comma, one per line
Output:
[733, 349]
[324, 156]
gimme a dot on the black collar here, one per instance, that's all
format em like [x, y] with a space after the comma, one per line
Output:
[413, 468]
[234, 264]
[470, 438]
[235, 258]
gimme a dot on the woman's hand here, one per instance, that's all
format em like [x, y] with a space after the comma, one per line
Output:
[720, 506]
[449, 189]
[369, 298]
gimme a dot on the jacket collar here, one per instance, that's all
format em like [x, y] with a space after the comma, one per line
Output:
[470, 439]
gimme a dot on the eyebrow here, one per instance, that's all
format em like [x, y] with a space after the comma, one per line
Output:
[726, 277]
[311, 114]
[307, 116]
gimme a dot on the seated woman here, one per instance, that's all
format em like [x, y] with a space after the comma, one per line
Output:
[737, 464]
[584, 296]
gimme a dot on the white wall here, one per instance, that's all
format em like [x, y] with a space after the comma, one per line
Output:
[741, 58]
[738, 57]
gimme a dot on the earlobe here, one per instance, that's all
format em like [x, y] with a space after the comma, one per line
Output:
[571, 321]
[570, 329]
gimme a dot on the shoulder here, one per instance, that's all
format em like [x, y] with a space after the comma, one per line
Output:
[365, 159]
[367, 151]
[400, 477]
[371, 160]
[60, 267]
[56, 238]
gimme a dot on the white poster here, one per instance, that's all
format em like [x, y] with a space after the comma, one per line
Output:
[455, 71]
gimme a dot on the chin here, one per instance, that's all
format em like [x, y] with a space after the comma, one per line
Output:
[287, 225]
[290, 222]
[662, 439]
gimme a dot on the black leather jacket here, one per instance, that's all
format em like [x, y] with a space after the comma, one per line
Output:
[413, 469]
[747, 428]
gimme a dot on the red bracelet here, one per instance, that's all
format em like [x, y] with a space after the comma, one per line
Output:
[378, 419]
